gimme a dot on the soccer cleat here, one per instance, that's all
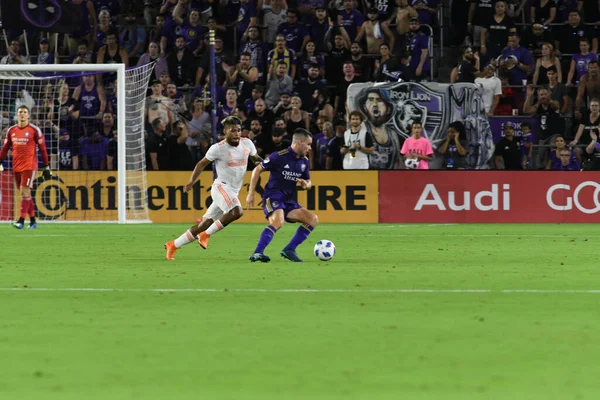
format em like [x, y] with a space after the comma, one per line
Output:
[32, 226]
[290, 255]
[171, 250]
[203, 240]
[259, 257]
[17, 225]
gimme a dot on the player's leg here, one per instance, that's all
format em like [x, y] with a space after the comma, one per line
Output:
[309, 222]
[276, 220]
[190, 235]
[31, 211]
[227, 200]
[23, 181]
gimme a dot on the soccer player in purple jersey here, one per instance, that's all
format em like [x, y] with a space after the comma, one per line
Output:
[288, 168]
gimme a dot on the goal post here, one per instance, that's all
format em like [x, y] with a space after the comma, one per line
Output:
[132, 205]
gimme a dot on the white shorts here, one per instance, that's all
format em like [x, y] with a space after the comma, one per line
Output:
[224, 199]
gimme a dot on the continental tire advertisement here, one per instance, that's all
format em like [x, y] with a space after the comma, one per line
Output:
[346, 197]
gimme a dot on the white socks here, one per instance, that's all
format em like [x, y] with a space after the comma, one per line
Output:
[214, 228]
[184, 239]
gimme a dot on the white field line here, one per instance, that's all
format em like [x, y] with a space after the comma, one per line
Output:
[222, 290]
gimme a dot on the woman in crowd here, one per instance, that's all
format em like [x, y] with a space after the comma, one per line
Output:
[542, 64]
[296, 117]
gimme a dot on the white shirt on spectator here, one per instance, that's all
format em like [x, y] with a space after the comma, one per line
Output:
[491, 87]
[272, 21]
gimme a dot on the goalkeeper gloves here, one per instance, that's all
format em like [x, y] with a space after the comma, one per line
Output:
[1, 167]
[46, 172]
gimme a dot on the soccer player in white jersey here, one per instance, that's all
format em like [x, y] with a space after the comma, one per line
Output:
[231, 159]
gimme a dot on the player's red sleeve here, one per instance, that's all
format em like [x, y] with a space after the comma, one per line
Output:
[5, 147]
[42, 145]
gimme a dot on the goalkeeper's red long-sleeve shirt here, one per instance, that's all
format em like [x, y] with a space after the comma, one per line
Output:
[23, 142]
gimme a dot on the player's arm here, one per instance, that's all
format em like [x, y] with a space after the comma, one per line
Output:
[253, 182]
[200, 166]
[6, 146]
[44, 153]
[256, 159]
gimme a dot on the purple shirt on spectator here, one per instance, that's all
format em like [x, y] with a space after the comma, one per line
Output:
[294, 35]
[523, 56]
[192, 34]
[245, 12]
[95, 150]
[416, 44]
[581, 64]
[351, 21]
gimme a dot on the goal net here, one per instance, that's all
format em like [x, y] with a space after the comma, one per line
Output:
[93, 127]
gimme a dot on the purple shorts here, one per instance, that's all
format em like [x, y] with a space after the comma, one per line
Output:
[276, 201]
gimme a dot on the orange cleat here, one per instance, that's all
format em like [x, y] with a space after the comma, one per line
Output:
[203, 240]
[171, 250]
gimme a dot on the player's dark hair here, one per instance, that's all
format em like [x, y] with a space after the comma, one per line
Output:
[300, 134]
[25, 107]
[230, 121]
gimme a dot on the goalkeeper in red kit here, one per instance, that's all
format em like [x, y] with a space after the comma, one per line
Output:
[24, 139]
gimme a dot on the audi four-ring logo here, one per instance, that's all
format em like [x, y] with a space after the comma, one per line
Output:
[574, 200]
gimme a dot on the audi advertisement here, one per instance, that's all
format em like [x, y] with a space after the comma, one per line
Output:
[489, 196]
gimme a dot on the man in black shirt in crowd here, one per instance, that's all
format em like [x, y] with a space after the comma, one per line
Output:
[567, 41]
[508, 150]
[467, 72]
[334, 159]
[157, 154]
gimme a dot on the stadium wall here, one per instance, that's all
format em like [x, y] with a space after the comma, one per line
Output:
[346, 197]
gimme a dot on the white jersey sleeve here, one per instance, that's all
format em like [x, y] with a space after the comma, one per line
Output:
[213, 152]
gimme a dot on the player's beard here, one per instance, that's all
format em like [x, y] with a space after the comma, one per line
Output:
[233, 142]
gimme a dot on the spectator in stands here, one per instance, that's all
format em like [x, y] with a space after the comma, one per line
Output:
[468, 68]
[113, 6]
[179, 158]
[426, 9]
[589, 86]
[391, 68]
[563, 8]
[244, 78]
[14, 54]
[526, 145]
[589, 122]
[547, 111]
[321, 105]
[308, 58]
[348, 79]
[516, 61]
[358, 145]
[496, 30]
[337, 55]
[350, 18]
[157, 107]
[320, 147]
[90, 101]
[362, 64]
[543, 12]
[154, 32]
[68, 151]
[93, 150]
[181, 64]
[557, 90]
[454, 148]
[333, 155]
[132, 36]
[246, 17]
[318, 27]
[508, 150]
[264, 115]
[167, 8]
[296, 117]
[112, 153]
[375, 32]
[590, 9]
[156, 147]
[416, 43]
[257, 49]
[295, 33]
[108, 129]
[567, 163]
[176, 101]
[560, 144]
[417, 146]
[278, 83]
[104, 26]
[567, 41]
[153, 55]
[197, 142]
[404, 13]
[535, 37]
[547, 60]
[221, 58]
[277, 143]
[190, 28]
[257, 93]
[112, 52]
[281, 55]
[274, 14]
[168, 34]
[580, 62]
[231, 107]
[44, 57]
[88, 24]
[306, 87]
[262, 140]
[83, 55]
[593, 149]
[284, 105]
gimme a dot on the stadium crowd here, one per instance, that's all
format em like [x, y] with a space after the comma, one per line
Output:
[284, 64]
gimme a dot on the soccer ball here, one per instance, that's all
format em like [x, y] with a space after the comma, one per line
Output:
[411, 163]
[324, 250]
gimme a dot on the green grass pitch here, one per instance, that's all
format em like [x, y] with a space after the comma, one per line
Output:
[402, 312]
